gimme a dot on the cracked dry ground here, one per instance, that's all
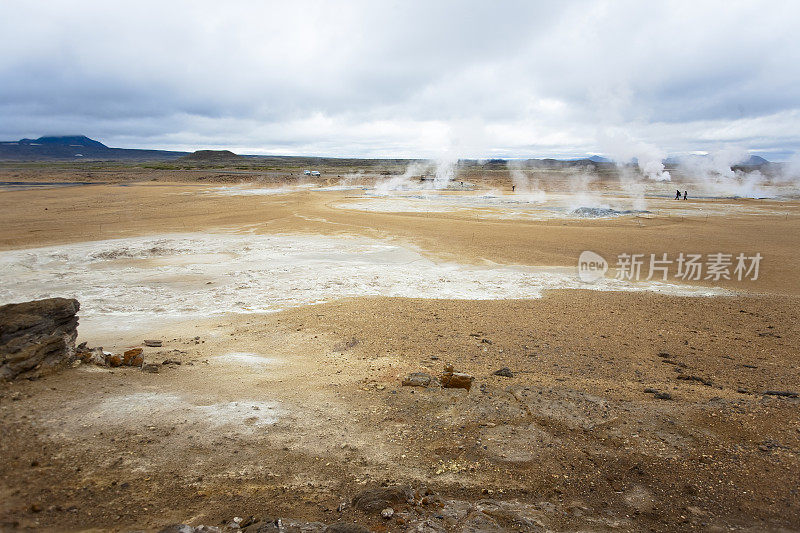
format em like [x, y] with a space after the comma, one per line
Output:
[571, 442]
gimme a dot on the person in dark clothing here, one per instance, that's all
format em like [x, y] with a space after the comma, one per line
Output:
[685, 193]
[677, 195]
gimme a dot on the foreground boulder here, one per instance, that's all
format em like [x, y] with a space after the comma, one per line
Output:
[37, 337]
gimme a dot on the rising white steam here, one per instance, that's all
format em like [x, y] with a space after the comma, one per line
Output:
[714, 174]
[445, 172]
[524, 184]
[407, 181]
[624, 149]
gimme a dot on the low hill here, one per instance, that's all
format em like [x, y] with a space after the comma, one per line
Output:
[213, 156]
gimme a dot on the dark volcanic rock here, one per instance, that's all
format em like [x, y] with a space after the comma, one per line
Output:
[705, 381]
[185, 528]
[345, 527]
[285, 525]
[784, 393]
[504, 372]
[378, 499]
[37, 336]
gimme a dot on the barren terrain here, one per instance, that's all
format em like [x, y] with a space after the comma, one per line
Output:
[643, 407]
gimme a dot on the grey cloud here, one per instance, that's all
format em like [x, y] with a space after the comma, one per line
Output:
[402, 78]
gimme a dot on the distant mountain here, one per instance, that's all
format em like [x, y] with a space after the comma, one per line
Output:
[75, 147]
[753, 161]
[599, 159]
[67, 140]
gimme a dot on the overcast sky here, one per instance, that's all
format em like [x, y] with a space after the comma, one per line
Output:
[405, 78]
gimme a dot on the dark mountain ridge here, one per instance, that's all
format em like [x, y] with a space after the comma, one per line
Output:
[76, 147]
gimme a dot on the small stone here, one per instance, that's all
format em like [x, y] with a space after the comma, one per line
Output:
[97, 357]
[504, 372]
[181, 528]
[696, 511]
[114, 360]
[152, 343]
[133, 357]
[662, 396]
[705, 381]
[150, 367]
[456, 380]
[419, 379]
[387, 513]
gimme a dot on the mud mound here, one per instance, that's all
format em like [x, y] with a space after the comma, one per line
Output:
[602, 212]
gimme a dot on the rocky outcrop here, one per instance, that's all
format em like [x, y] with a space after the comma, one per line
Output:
[37, 337]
